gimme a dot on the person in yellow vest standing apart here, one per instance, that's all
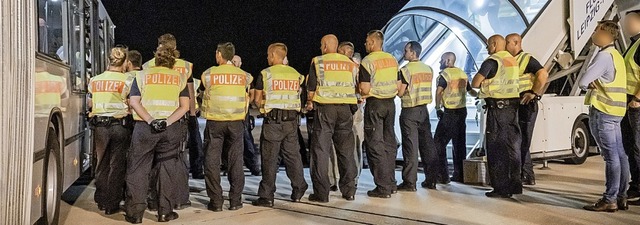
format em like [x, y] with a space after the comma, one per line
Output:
[279, 87]
[451, 94]
[497, 79]
[111, 139]
[331, 87]
[606, 83]
[378, 85]
[533, 78]
[631, 122]
[226, 103]
[415, 93]
[159, 98]
[185, 68]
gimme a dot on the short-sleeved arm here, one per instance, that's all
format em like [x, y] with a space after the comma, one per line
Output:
[489, 68]
[312, 79]
[363, 74]
[258, 83]
[135, 91]
[533, 67]
[441, 82]
[401, 78]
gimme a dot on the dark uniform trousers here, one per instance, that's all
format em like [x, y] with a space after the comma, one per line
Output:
[196, 155]
[147, 147]
[280, 138]
[452, 127]
[181, 178]
[380, 141]
[224, 136]
[527, 115]
[112, 142]
[630, 127]
[503, 142]
[251, 154]
[332, 124]
[415, 128]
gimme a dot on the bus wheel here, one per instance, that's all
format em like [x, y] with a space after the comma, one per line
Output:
[579, 144]
[52, 178]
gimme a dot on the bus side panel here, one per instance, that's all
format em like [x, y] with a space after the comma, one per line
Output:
[74, 119]
[560, 113]
[36, 190]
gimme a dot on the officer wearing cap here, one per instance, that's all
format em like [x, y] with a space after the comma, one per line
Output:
[278, 97]
[225, 106]
[111, 138]
[331, 89]
[533, 77]
[498, 79]
[159, 98]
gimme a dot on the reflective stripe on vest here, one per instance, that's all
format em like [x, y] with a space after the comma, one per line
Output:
[48, 92]
[109, 92]
[633, 69]
[611, 98]
[336, 77]
[505, 84]
[526, 80]
[225, 97]
[455, 95]
[281, 88]
[160, 89]
[383, 68]
[420, 77]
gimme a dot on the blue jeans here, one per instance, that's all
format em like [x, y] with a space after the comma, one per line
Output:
[606, 130]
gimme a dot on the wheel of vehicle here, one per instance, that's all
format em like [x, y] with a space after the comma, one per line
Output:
[579, 144]
[52, 178]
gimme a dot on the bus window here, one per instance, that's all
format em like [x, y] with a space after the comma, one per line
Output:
[51, 29]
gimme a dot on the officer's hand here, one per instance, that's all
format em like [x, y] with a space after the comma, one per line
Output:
[527, 98]
[309, 106]
[159, 125]
[634, 104]
[439, 113]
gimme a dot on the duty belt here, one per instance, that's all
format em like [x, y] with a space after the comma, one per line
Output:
[502, 103]
[106, 121]
[278, 116]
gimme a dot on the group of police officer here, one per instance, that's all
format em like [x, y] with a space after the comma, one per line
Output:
[141, 119]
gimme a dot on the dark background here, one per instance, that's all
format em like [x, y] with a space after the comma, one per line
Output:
[199, 25]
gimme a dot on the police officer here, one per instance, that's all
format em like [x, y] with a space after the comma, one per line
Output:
[498, 82]
[415, 126]
[631, 122]
[251, 154]
[451, 94]
[279, 87]
[185, 68]
[606, 82]
[133, 63]
[533, 77]
[378, 84]
[225, 103]
[111, 139]
[331, 89]
[160, 99]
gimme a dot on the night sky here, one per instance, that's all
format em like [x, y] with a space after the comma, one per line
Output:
[199, 25]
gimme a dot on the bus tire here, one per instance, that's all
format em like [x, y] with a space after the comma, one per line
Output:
[52, 177]
[580, 140]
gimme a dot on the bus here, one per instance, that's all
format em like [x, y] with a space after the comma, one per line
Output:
[73, 41]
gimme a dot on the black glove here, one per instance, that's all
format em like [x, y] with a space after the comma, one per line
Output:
[158, 125]
[439, 113]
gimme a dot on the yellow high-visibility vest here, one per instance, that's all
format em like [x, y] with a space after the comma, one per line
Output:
[160, 89]
[526, 79]
[505, 84]
[633, 69]
[455, 95]
[419, 77]
[383, 68]
[336, 75]
[109, 92]
[281, 88]
[225, 97]
[183, 67]
[611, 98]
[49, 90]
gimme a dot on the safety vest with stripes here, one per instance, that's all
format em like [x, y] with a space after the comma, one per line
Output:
[419, 77]
[183, 67]
[109, 92]
[160, 89]
[281, 88]
[526, 79]
[611, 98]
[225, 97]
[455, 95]
[505, 84]
[383, 68]
[336, 75]
[633, 69]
